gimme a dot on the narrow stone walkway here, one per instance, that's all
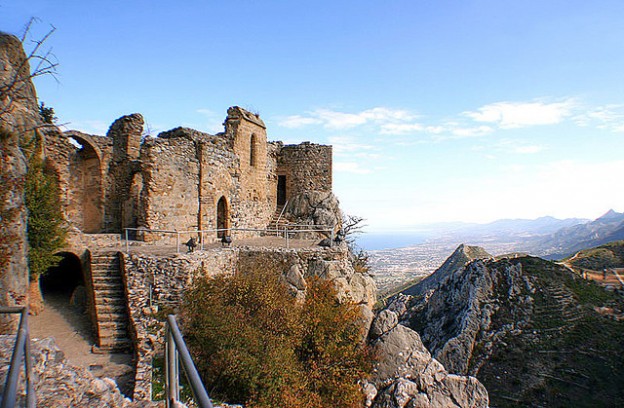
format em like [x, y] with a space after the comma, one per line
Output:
[73, 334]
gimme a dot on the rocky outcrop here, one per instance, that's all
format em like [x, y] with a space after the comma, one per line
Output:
[61, 384]
[407, 376]
[19, 116]
[460, 257]
[315, 208]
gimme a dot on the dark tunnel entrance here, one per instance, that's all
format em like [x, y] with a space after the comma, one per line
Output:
[62, 280]
[65, 284]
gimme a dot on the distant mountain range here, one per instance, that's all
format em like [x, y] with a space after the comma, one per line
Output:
[569, 240]
[547, 237]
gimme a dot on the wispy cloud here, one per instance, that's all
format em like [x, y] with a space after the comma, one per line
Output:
[212, 121]
[92, 127]
[336, 120]
[347, 144]
[510, 115]
[351, 167]
[607, 117]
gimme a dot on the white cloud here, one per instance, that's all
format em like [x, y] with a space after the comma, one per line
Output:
[350, 167]
[511, 115]
[607, 117]
[331, 119]
[471, 131]
[400, 128]
[347, 144]
[297, 121]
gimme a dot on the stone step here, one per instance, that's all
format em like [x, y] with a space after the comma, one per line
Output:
[114, 326]
[104, 267]
[112, 309]
[113, 302]
[107, 280]
[110, 292]
[104, 261]
[108, 345]
[108, 285]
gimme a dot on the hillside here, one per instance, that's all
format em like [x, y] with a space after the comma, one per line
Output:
[534, 333]
[610, 255]
[460, 257]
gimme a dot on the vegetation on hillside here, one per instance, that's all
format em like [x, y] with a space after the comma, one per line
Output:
[571, 351]
[610, 255]
[255, 344]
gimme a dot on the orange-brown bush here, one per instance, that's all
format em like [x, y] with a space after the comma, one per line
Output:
[254, 344]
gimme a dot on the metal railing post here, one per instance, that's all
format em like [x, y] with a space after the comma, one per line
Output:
[127, 245]
[171, 371]
[177, 242]
[21, 350]
[175, 349]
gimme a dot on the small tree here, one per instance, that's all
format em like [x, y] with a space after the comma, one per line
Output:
[47, 114]
[255, 344]
[352, 225]
[45, 224]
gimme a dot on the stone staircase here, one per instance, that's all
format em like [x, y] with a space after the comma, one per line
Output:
[110, 302]
[277, 222]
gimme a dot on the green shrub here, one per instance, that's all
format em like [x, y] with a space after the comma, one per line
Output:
[254, 344]
[46, 234]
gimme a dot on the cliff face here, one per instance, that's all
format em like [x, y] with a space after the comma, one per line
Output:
[18, 119]
[531, 331]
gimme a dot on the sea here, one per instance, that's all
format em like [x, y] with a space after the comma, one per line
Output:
[371, 241]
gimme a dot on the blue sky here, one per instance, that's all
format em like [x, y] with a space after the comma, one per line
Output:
[437, 110]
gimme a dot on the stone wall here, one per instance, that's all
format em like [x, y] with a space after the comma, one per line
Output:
[307, 167]
[247, 135]
[170, 180]
[19, 119]
[81, 162]
[155, 286]
[121, 204]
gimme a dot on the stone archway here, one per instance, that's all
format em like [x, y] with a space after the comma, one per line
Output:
[85, 206]
[223, 217]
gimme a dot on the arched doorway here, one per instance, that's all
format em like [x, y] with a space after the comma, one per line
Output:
[223, 217]
[62, 280]
[66, 305]
[85, 203]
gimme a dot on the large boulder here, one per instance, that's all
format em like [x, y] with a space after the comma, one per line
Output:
[315, 208]
[407, 376]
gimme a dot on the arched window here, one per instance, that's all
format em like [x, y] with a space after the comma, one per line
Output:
[223, 216]
[253, 147]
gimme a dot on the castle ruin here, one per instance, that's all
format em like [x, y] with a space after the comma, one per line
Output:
[183, 179]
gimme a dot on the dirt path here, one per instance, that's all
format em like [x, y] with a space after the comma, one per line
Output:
[72, 332]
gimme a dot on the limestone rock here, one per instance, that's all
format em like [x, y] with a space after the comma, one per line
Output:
[318, 208]
[19, 113]
[385, 321]
[407, 376]
[295, 278]
[60, 384]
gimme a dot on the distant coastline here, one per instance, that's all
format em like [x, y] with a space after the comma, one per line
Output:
[372, 241]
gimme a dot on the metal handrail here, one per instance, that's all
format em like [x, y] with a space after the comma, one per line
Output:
[281, 214]
[175, 352]
[21, 351]
[285, 231]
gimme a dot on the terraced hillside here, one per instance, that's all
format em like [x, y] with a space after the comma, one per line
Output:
[533, 332]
